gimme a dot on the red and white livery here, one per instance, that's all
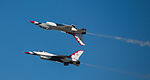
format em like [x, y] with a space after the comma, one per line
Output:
[70, 29]
[66, 60]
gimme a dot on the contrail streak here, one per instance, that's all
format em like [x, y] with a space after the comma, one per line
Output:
[128, 40]
[146, 76]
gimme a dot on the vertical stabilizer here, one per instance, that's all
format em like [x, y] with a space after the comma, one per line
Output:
[78, 37]
[75, 56]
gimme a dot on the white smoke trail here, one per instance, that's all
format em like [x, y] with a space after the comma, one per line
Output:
[128, 40]
[146, 76]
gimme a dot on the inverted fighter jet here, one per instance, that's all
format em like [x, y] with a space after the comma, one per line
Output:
[70, 29]
[72, 59]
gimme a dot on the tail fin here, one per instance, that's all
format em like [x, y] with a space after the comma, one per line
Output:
[78, 37]
[75, 56]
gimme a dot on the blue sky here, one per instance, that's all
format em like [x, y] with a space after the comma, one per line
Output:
[124, 18]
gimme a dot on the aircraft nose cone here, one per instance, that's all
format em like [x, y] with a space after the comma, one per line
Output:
[32, 21]
[27, 52]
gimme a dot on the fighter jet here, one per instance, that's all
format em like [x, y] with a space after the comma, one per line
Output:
[66, 60]
[70, 29]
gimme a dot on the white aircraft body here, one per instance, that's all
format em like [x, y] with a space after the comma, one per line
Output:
[72, 59]
[70, 29]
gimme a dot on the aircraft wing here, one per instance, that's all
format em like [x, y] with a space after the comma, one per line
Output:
[78, 37]
[60, 56]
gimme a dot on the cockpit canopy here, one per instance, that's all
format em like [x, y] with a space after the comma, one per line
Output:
[51, 23]
[55, 24]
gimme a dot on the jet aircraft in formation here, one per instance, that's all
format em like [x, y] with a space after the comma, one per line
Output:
[66, 60]
[70, 29]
